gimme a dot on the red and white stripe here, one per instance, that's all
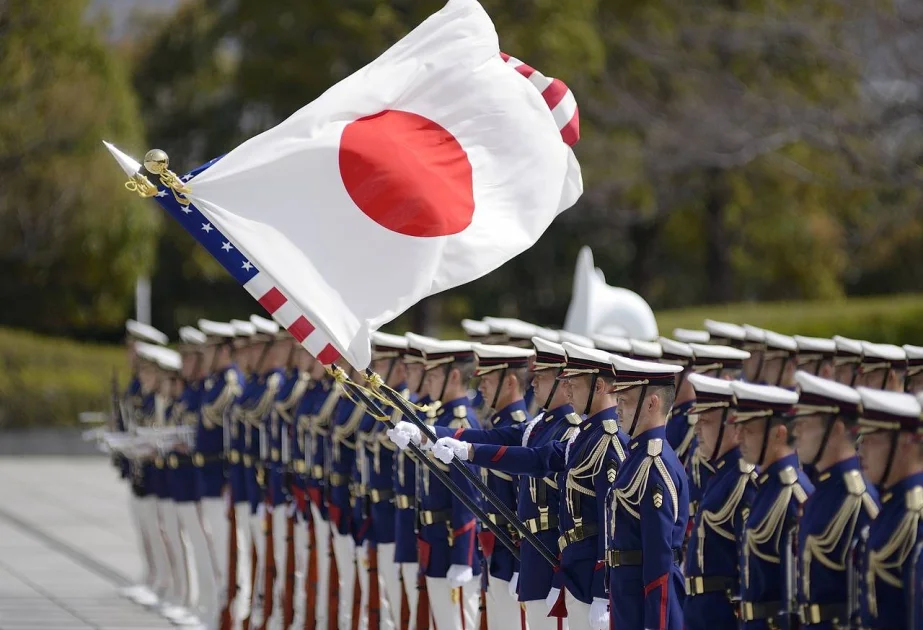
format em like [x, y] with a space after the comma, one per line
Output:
[557, 95]
[287, 314]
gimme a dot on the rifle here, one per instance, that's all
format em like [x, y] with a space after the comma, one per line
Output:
[310, 620]
[226, 621]
[253, 562]
[289, 593]
[482, 606]
[357, 597]
[374, 589]
[269, 577]
[423, 613]
[333, 608]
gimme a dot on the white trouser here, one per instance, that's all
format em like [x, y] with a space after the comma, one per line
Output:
[241, 608]
[279, 531]
[259, 543]
[206, 607]
[144, 551]
[459, 613]
[323, 554]
[578, 613]
[192, 581]
[408, 573]
[344, 549]
[150, 530]
[215, 519]
[385, 608]
[503, 610]
[301, 570]
[169, 521]
[391, 593]
[538, 619]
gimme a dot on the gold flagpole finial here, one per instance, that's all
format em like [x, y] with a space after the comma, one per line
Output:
[157, 162]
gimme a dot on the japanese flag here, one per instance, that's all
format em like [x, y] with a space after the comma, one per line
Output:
[428, 168]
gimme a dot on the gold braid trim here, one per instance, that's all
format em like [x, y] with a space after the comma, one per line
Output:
[898, 548]
[823, 546]
[285, 407]
[254, 415]
[699, 462]
[724, 516]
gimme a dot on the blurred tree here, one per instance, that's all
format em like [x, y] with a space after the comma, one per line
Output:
[72, 240]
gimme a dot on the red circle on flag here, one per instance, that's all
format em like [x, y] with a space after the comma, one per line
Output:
[407, 173]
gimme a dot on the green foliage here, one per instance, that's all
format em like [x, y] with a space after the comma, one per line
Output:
[46, 381]
[72, 239]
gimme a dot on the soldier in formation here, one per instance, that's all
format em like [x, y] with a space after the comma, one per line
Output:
[730, 477]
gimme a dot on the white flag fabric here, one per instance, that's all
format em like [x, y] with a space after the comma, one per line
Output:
[426, 169]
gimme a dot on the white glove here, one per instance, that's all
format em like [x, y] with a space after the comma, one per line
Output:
[552, 598]
[514, 582]
[403, 434]
[459, 575]
[599, 614]
[446, 448]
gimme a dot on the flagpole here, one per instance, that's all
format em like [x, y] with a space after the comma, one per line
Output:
[403, 405]
[442, 476]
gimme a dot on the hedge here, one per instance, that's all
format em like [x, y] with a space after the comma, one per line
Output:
[47, 382]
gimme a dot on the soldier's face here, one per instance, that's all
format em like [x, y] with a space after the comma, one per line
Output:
[843, 373]
[415, 377]
[434, 381]
[578, 391]
[707, 428]
[627, 405]
[542, 382]
[488, 386]
[874, 450]
[750, 436]
[809, 433]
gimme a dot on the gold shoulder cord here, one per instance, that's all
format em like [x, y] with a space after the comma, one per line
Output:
[632, 494]
[724, 516]
[821, 547]
[698, 462]
[770, 528]
[898, 549]
[285, 407]
[590, 467]
[264, 405]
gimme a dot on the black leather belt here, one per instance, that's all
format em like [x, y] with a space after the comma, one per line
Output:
[699, 585]
[542, 523]
[429, 517]
[752, 611]
[200, 459]
[377, 495]
[819, 613]
[338, 479]
[578, 533]
[632, 557]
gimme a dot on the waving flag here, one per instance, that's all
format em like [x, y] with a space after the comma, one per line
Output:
[428, 168]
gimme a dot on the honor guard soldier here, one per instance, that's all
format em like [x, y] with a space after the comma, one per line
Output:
[448, 529]
[130, 402]
[181, 473]
[711, 563]
[890, 450]
[815, 356]
[586, 465]
[480, 332]
[882, 367]
[503, 372]
[842, 506]
[375, 461]
[913, 378]
[245, 356]
[221, 388]
[647, 508]
[538, 498]
[718, 362]
[680, 426]
[847, 360]
[314, 414]
[767, 569]
[343, 492]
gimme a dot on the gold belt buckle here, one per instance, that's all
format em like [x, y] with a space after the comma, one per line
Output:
[695, 585]
[234, 456]
[173, 461]
[198, 459]
[746, 611]
[809, 613]
[158, 462]
[274, 453]
[317, 471]
[300, 466]
[248, 461]
[403, 501]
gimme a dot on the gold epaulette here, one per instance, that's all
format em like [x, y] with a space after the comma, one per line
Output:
[212, 412]
[721, 521]
[460, 418]
[630, 495]
[574, 421]
[789, 477]
[518, 416]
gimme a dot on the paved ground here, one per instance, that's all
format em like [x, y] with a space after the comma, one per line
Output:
[66, 546]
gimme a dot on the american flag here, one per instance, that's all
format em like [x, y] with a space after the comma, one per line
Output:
[264, 289]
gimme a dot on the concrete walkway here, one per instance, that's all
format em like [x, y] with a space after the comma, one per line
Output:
[66, 547]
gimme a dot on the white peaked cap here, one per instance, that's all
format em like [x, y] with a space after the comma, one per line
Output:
[574, 338]
[677, 349]
[688, 335]
[192, 336]
[475, 328]
[264, 326]
[243, 328]
[646, 349]
[725, 330]
[216, 329]
[145, 332]
[619, 345]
